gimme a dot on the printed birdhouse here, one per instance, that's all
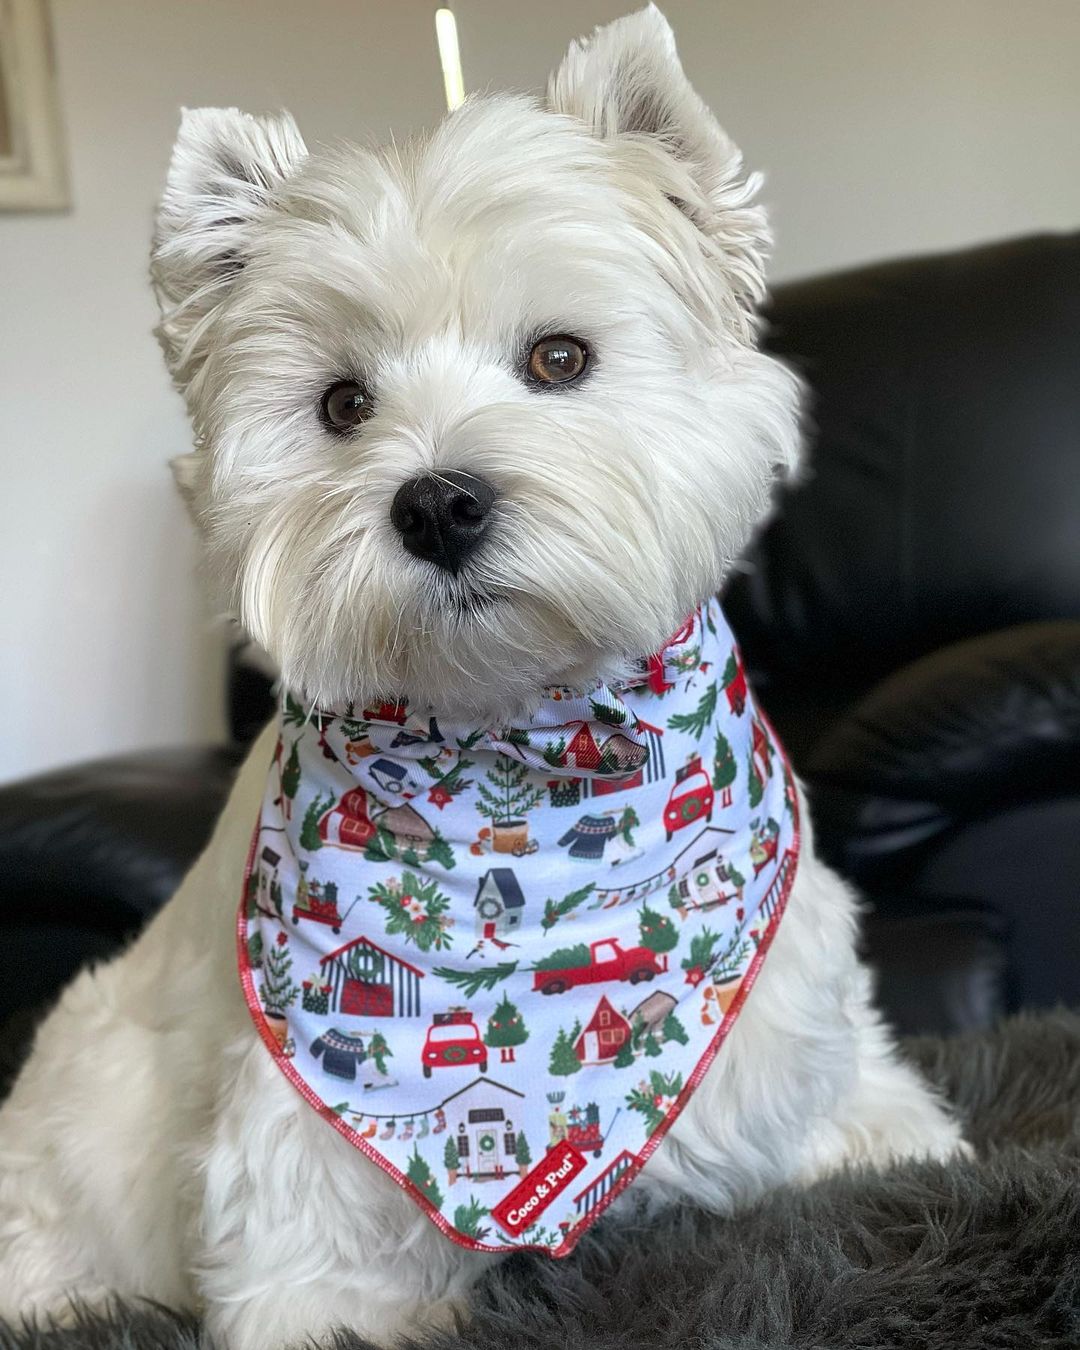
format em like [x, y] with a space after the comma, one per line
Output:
[499, 903]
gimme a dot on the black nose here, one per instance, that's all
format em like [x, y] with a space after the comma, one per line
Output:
[442, 517]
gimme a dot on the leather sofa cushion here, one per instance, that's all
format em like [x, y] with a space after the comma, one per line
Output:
[978, 724]
[104, 844]
[942, 492]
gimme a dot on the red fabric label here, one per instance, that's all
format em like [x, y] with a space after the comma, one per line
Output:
[544, 1184]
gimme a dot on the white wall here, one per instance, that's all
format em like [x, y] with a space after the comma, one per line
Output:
[885, 128]
[105, 642]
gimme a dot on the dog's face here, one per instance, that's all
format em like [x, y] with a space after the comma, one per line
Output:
[481, 413]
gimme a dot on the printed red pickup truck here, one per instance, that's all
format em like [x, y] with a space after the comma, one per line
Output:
[601, 961]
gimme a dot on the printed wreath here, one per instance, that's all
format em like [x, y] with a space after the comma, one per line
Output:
[415, 910]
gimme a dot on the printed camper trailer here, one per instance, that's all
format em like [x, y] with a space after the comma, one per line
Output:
[710, 882]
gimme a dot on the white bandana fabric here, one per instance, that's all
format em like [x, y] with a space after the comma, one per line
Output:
[499, 961]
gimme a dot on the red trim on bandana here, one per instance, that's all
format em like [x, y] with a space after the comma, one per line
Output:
[640, 1158]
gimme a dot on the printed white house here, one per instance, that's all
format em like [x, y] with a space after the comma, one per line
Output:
[481, 1119]
[499, 903]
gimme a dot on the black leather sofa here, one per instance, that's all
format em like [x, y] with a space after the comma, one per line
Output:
[911, 619]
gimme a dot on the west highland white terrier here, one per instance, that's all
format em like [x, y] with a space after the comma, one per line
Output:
[480, 426]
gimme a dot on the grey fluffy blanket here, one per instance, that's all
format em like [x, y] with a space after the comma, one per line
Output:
[983, 1254]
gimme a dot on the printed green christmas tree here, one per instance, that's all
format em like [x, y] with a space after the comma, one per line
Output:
[522, 1156]
[419, 1173]
[755, 788]
[673, 1030]
[725, 769]
[278, 989]
[510, 795]
[554, 753]
[506, 1028]
[309, 829]
[290, 779]
[564, 1060]
[610, 715]
[658, 933]
[451, 1158]
[625, 1055]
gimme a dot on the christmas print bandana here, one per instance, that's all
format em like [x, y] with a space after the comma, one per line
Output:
[498, 961]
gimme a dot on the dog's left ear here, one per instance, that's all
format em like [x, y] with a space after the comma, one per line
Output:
[626, 83]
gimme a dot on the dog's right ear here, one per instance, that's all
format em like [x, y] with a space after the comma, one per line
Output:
[225, 171]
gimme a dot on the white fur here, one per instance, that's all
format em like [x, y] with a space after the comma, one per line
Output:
[150, 1147]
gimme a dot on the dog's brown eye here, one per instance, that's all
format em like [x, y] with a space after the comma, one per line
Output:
[557, 360]
[345, 405]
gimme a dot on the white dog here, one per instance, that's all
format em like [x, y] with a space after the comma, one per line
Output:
[341, 324]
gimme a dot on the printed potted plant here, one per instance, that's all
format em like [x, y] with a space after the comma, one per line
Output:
[451, 1160]
[278, 991]
[727, 972]
[504, 800]
[316, 995]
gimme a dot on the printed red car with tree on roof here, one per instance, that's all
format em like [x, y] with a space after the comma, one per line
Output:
[691, 798]
[453, 1041]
